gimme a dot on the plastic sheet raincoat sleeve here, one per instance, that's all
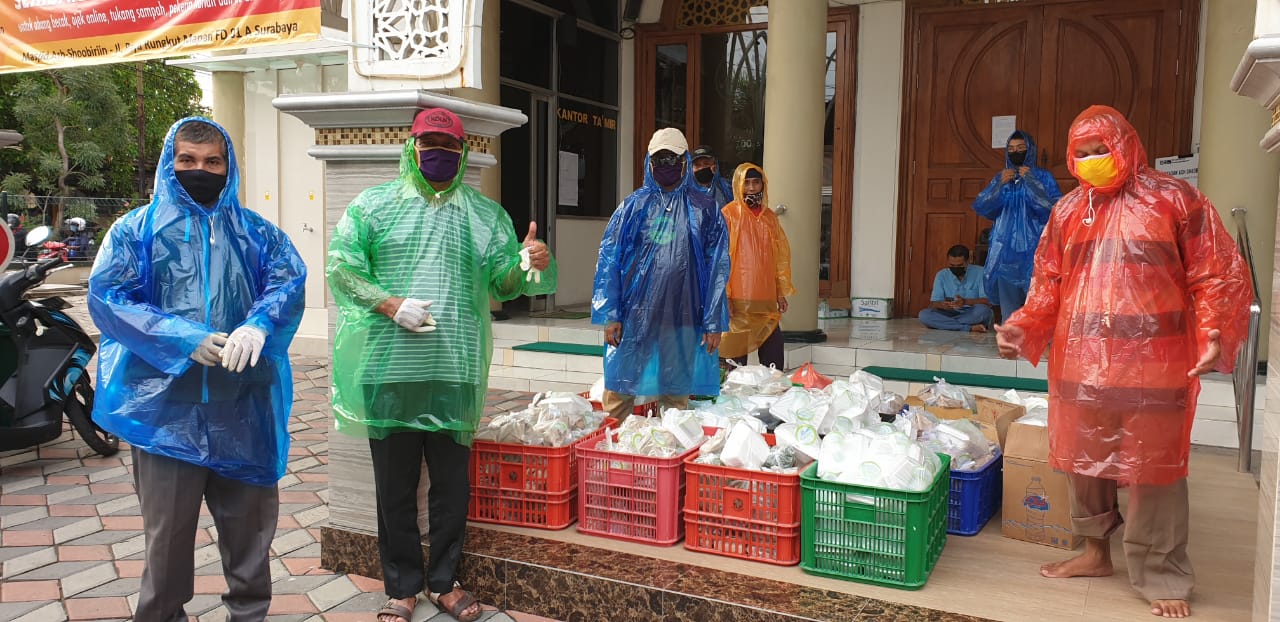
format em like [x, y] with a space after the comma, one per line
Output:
[506, 280]
[1217, 279]
[280, 305]
[715, 306]
[606, 299]
[348, 270]
[118, 303]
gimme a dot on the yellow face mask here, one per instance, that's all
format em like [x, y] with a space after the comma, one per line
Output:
[1098, 171]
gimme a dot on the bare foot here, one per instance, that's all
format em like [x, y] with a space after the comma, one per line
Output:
[977, 328]
[1095, 561]
[1171, 608]
[409, 603]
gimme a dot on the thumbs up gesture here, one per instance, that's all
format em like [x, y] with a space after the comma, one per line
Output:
[538, 255]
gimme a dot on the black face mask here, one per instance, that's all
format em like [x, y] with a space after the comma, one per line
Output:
[1016, 158]
[704, 176]
[203, 186]
[959, 272]
[753, 199]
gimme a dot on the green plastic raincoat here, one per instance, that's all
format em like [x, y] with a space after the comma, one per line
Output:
[455, 248]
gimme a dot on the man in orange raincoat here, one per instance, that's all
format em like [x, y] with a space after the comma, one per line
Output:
[760, 278]
[1141, 290]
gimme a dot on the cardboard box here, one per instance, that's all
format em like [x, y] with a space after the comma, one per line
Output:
[869, 329]
[993, 416]
[940, 412]
[872, 308]
[1037, 502]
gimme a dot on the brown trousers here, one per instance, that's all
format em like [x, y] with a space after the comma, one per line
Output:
[619, 406]
[1155, 538]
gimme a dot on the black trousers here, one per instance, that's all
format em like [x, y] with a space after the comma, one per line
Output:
[771, 351]
[397, 468]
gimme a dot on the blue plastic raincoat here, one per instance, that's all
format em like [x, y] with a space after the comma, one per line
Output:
[662, 273]
[170, 273]
[1020, 210]
[456, 248]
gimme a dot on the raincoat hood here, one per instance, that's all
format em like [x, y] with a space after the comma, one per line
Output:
[719, 189]
[1032, 150]
[1106, 124]
[168, 275]
[410, 173]
[169, 191]
[740, 183]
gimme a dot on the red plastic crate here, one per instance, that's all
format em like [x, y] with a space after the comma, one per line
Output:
[762, 542]
[526, 486]
[743, 513]
[627, 497]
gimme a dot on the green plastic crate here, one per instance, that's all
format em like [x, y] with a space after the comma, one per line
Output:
[873, 535]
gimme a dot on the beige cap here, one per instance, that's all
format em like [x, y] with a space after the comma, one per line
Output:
[668, 138]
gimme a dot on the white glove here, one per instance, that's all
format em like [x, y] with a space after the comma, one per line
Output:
[244, 347]
[526, 264]
[412, 315]
[209, 352]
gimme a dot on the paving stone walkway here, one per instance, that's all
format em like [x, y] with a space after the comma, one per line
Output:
[71, 536]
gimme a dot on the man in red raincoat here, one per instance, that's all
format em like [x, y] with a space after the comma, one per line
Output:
[1141, 290]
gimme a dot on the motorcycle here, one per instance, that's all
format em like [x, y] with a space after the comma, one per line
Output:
[54, 249]
[43, 358]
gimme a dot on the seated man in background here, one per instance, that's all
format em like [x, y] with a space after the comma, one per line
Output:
[959, 301]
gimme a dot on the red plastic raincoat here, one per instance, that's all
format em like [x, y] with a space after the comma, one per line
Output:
[761, 269]
[1128, 301]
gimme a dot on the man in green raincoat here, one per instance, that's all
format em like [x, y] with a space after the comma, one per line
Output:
[412, 266]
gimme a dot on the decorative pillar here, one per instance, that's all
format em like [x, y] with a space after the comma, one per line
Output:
[794, 116]
[228, 111]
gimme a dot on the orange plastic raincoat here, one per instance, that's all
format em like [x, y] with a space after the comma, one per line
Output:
[761, 269]
[1128, 299]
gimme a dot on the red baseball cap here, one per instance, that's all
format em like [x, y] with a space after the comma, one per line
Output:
[437, 121]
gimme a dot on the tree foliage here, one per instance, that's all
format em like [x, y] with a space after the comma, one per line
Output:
[81, 126]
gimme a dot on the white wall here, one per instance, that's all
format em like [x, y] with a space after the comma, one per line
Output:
[876, 147]
[577, 248]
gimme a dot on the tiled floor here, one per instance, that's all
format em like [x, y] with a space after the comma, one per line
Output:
[71, 537]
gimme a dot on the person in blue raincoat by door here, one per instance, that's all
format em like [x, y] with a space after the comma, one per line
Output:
[198, 299]
[660, 285]
[1019, 199]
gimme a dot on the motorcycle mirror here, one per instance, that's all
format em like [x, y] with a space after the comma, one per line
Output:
[38, 235]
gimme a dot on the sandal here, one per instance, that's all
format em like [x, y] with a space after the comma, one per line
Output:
[466, 600]
[394, 609]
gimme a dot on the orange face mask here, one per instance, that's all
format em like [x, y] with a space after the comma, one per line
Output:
[1098, 171]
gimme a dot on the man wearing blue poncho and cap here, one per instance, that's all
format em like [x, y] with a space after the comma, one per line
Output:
[660, 285]
[198, 299]
[1018, 199]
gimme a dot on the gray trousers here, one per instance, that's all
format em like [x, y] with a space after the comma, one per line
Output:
[1155, 536]
[170, 492]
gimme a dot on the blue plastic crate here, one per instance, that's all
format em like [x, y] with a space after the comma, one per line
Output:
[975, 497]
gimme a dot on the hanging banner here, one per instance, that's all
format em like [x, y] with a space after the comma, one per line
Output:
[49, 34]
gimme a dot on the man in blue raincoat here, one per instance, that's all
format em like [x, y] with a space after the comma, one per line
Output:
[706, 171]
[198, 299]
[660, 285]
[1018, 199]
